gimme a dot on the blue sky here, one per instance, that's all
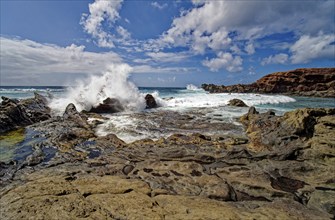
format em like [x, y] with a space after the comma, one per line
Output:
[167, 43]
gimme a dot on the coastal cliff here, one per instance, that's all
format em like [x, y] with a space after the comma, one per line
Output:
[318, 82]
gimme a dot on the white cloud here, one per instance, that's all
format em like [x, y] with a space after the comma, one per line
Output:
[101, 11]
[224, 60]
[22, 60]
[215, 25]
[275, 59]
[166, 70]
[124, 34]
[168, 57]
[308, 48]
[250, 49]
[158, 6]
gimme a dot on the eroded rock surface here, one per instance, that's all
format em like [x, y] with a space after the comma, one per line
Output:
[283, 170]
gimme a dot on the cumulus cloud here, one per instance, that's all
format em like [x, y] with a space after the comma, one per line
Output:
[275, 59]
[100, 12]
[158, 6]
[22, 60]
[232, 26]
[308, 48]
[224, 60]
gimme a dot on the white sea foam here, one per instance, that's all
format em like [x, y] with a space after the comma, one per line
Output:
[215, 100]
[113, 83]
[192, 87]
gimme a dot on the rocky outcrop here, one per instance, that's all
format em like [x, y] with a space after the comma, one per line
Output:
[150, 102]
[237, 103]
[109, 105]
[283, 169]
[303, 82]
[14, 113]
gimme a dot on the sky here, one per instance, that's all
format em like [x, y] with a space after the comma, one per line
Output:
[167, 43]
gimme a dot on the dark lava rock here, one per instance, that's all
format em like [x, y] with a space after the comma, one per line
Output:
[237, 103]
[109, 105]
[14, 113]
[150, 101]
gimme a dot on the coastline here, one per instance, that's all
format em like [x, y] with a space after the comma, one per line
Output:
[280, 167]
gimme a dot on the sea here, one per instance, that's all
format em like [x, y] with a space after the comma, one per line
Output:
[137, 122]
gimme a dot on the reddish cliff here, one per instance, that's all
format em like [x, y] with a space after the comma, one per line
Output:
[303, 82]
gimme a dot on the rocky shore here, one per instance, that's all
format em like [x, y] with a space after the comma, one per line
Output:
[281, 167]
[317, 82]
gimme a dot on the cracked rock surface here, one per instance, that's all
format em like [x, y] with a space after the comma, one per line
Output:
[283, 170]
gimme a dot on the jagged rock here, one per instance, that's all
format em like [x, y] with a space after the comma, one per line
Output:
[303, 82]
[109, 105]
[150, 101]
[283, 170]
[14, 113]
[237, 103]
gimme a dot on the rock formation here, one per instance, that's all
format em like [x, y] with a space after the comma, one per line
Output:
[109, 105]
[237, 103]
[14, 113]
[302, 82]
[150, 101]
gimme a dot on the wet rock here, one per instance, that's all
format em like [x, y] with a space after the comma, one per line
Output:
[109, 105]
[14, 113]
[150, 101]
[237, 103]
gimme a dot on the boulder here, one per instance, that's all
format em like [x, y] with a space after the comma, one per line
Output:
[237, 103]
[109, 105]
[14, 113]
[150, 101]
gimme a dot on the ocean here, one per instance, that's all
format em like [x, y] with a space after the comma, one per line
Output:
[137, 122]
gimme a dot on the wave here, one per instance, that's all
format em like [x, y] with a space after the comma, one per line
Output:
[216, 100]
[192, 87]
[113, 83]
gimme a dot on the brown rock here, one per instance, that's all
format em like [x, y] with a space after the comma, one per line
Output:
[237, 103]
[303, 82]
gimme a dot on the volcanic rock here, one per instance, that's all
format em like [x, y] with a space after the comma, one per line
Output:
[302, 82]
[14, 113]
[109, 105]
[237, 103]
[150, 101]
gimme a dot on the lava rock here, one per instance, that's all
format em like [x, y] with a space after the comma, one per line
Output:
[150, 102]
[14, 113]
[237, 103]
[109, 105]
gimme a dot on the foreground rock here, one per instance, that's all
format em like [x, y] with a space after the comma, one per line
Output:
[318, 82]
[14, 113]
[283, 171]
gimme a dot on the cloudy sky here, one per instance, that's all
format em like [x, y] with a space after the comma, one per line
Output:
[168, 43]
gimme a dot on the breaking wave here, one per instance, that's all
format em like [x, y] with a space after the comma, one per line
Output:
[113, 83]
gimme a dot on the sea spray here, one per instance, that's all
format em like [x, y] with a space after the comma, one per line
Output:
[90, 92]
[192, 87]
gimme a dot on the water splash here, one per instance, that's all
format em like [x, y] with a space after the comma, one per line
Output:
[113, 83]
